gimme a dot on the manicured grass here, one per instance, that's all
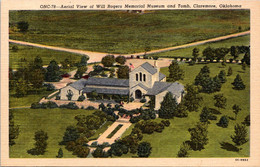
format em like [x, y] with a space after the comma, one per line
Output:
[52, 121]
[15, 102]
[114, 131]
[122, 32]
[101, 130]
[187, 52]
[30, 53]
[167, 143]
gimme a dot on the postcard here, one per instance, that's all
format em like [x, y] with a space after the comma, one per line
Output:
[130, 83]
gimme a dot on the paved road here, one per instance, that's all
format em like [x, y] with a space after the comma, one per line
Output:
[97, 56]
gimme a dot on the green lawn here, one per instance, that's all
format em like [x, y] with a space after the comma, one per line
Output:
[122, 32]
[52, 121]
[15, 102]
[187, 52]
[167, 143]
[29, 53]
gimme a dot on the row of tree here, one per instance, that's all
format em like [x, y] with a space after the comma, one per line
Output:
[220, 53]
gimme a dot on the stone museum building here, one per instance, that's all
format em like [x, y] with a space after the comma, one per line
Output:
[144, 81]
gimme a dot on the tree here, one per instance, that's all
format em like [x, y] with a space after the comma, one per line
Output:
[202, 76]
[71, 134]
[65, 64]
[37, 78]
[229, 71]
[192, 100]
[236, 109]
[195, 53]
[234, 51]
[181, 110]
[240, 136]
[118, 149]
[220, 101]
[108, 60]
[81, 151]
[199, 136]
[168, 106]
[209, 53]
[53, 73]
[121, 60]
[244, 66]
[98, 152]
[21, 88]
[184, 150]
[223, 122]
[205, 114]
[144, 149]
[14, 130]
[60, 153]
[175, 72]
[83, 61]
[40, 143]
[222, 76]
[246, 57]
[247, 120]
[23, 26]
[123, 72]
[238, 83]
[220, 53]
[80, 71]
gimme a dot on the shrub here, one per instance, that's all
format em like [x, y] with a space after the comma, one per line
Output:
[134, 119]
[90, 108]
[51, 104]
[57, 98]
[143, 100]
[223, 122]
[81, 98]
[36, 105]
[183, 152]
[212, 117]
[49, 87]
[144, 149]
[70, 105]
[131, 99]
[166, 123]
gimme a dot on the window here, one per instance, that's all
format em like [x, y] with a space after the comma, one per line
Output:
[136, 77]
[144, 77]
[140, 76]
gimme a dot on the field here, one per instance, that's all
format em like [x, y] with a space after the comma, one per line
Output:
[17, 102]
[122, 32]
[167, 143]
[29, 53]
[187, 52]
[52, 121]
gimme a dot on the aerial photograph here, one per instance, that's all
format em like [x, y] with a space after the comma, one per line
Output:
[129, 83]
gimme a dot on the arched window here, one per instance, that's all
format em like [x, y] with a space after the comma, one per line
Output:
[140, 76]
[144, 77]
[136, 77]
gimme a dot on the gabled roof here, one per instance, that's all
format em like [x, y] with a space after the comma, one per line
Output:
[80, 84]
[158, 87]
[142, 86]
[161, 76]
[106, 91]
[108, 82]
[149, 68]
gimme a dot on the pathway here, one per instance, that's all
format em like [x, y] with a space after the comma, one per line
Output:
[97, 56]
[103, 138]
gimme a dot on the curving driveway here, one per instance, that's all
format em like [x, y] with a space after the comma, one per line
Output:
[97, 56]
